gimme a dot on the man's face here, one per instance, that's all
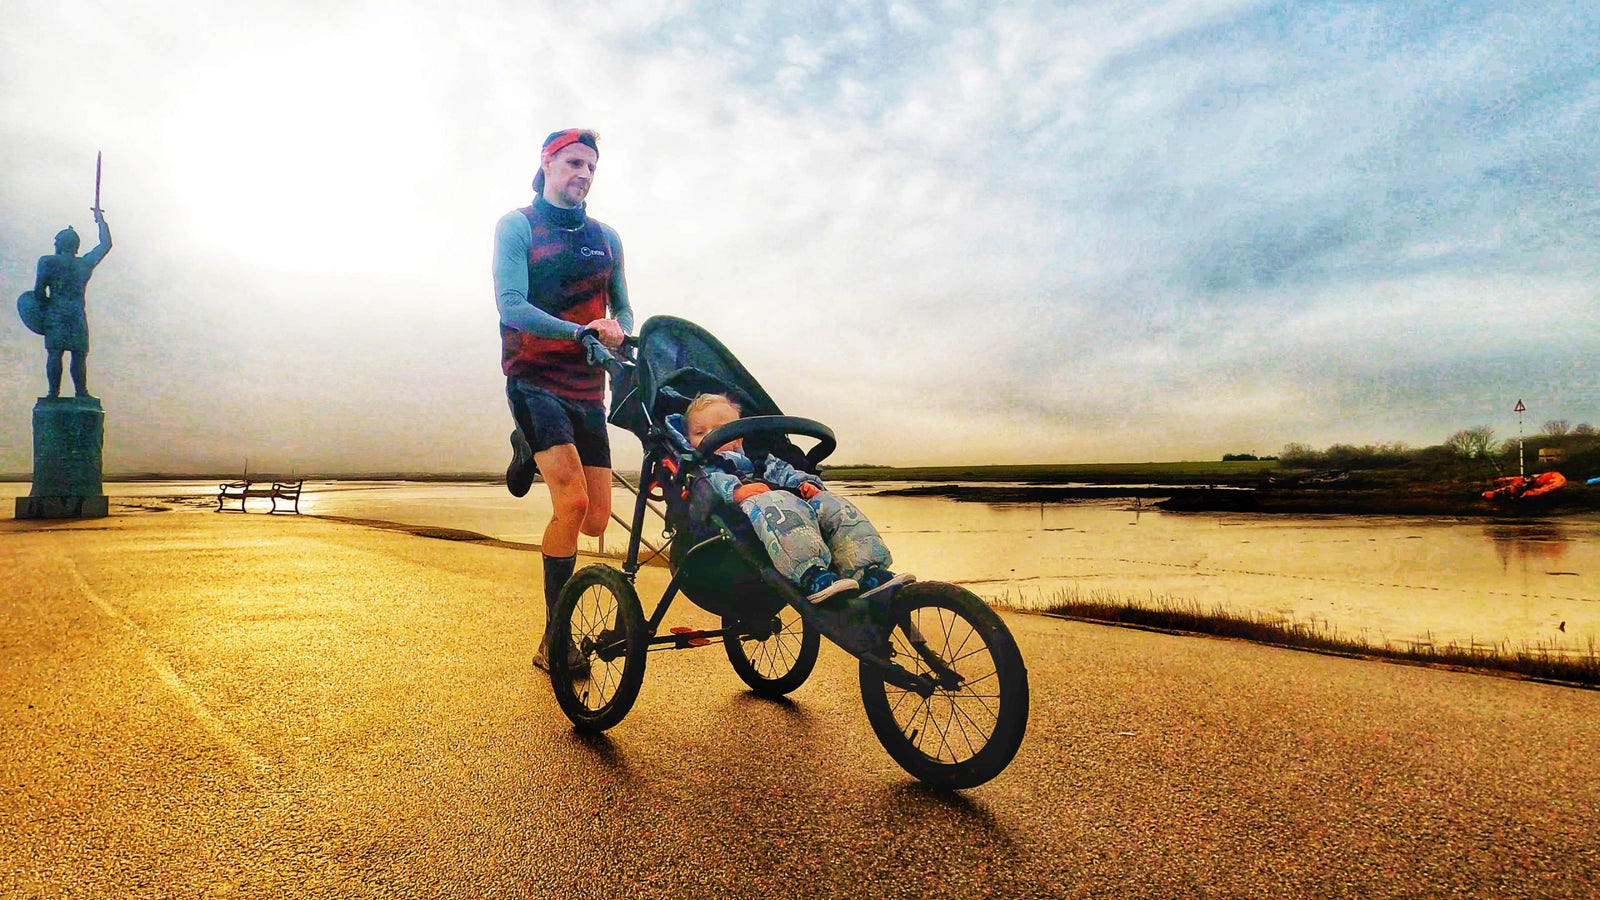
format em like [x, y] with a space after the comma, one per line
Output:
[707, 420]
[569, 173]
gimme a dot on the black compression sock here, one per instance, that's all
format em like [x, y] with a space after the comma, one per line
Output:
[557, 569]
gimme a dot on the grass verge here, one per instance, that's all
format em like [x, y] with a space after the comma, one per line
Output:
[1538, 662]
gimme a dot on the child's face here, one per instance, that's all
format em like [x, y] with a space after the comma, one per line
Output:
[704, 421]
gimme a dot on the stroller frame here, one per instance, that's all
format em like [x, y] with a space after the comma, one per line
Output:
[957, 649]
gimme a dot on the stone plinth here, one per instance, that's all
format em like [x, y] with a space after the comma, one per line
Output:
[68, 433]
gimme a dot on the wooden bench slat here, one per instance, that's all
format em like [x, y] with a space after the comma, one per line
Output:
[242, 491]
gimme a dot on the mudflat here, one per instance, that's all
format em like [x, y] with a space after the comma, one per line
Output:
[194, 704]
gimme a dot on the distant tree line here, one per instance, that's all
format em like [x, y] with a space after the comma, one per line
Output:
[1345, 456]
[1580, 446]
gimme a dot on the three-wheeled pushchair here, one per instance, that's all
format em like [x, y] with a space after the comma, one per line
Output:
[943, 683]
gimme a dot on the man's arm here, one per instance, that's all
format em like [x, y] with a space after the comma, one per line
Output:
[620, 310]
[620, 319]
[100, 250]
[512, 235]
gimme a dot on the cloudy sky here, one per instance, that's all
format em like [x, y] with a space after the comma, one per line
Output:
[956, 232]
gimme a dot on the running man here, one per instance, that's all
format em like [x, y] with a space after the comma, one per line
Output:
[557, 276]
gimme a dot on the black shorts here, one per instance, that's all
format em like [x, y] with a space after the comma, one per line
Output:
[547, 420]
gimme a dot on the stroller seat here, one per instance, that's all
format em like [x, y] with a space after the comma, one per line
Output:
[719, 578]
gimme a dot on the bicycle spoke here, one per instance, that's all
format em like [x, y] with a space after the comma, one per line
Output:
[958, 718]
[920, 710]
[944, 737]
[971, 633]
[984, 730]
[981, 648]
[901, 695]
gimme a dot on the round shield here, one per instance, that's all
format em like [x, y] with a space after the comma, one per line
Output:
[32, 315]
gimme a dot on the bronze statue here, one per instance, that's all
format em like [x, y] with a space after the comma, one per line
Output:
[55, 306]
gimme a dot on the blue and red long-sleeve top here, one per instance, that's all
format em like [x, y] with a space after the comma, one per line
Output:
[556, 270]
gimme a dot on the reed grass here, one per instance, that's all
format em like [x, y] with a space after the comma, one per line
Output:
[1544, 662]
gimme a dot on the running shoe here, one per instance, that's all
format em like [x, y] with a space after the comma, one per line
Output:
[519, 475]
[575, 660]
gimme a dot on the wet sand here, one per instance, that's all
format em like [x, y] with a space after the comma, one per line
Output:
[1404, 580]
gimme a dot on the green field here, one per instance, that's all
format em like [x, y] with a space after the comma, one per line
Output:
[1247, 472]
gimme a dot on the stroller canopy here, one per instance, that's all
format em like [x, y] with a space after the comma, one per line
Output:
[677, 361]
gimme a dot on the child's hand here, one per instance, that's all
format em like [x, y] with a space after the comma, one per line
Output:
[808, 490]
[745, 491]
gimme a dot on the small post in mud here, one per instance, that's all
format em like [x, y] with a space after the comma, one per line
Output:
[1522, 471]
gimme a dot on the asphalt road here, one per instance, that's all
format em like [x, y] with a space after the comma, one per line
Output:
[198, 705]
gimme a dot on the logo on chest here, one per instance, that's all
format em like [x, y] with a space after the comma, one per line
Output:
[591, 252]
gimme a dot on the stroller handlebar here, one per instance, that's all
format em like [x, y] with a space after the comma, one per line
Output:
[599, 354]
[739, 429]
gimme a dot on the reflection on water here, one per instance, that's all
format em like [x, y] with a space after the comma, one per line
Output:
[1546, 542]
[1385, 578]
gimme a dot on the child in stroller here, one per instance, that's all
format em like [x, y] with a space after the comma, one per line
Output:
[815, 538]
[942, 680]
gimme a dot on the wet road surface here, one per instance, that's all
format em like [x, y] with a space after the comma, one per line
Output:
[199, 705]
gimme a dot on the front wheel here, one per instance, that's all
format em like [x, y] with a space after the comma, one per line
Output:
[599, 622]
[967, 731]
[774, 657]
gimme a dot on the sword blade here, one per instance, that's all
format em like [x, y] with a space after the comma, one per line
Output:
[97, 181]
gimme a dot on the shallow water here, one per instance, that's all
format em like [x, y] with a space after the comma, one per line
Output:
[1396, 579]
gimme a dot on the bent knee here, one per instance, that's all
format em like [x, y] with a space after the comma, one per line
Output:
[595, 518]
[571, 506]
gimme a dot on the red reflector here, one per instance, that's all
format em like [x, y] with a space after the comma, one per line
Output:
[692, 637]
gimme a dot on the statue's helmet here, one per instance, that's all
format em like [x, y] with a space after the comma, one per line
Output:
[67, 240]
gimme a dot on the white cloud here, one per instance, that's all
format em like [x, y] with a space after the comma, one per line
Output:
[951, 232]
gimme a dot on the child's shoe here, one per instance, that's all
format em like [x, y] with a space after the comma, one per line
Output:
[822, 586]
[878, 581]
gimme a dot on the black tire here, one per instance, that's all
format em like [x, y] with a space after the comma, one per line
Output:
[773, 657]
[969, 730]
[599, 612]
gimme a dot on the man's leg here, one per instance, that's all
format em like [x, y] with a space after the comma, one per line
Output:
[52, 371]
[569, 500]
[597, 485]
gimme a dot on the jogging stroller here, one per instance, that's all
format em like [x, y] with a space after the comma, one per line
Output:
[942, 681]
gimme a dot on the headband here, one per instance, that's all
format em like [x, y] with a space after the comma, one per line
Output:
[555, 143]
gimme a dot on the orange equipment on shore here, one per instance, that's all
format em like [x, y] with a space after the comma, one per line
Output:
[1519, 487]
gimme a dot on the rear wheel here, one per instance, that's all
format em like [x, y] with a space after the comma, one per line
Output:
[598, 616]
[967, 731]
[775, 656]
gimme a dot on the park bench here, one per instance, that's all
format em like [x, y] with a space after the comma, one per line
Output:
[242, 491]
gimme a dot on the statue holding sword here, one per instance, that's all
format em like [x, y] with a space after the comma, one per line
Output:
[55, 307]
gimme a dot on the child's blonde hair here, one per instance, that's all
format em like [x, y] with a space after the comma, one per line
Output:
[708, 400]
